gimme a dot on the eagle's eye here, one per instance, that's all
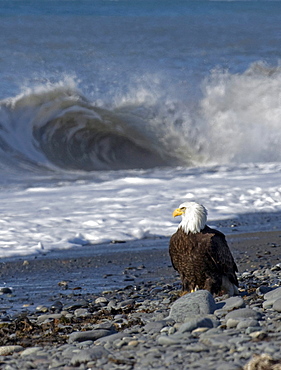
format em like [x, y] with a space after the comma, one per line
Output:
[183, 209]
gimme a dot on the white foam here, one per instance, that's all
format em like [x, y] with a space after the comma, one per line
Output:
[132, 207]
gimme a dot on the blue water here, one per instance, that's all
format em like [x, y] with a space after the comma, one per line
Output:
[112, 113]
[116, 85]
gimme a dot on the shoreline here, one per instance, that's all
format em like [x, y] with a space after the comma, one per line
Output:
[91, 309]
[93, 269]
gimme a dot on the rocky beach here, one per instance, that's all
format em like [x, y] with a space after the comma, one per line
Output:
[87, 309]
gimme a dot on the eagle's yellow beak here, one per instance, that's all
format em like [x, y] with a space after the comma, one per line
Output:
[177, 212]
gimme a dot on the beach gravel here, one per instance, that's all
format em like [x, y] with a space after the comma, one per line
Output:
[148, 325]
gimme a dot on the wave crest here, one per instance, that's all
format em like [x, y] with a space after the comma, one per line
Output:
[235, 120]
[59, 127]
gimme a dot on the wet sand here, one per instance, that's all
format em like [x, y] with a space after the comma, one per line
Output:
[41, 279]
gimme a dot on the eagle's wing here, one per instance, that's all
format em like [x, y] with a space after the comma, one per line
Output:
[221, 256]
[175, 250]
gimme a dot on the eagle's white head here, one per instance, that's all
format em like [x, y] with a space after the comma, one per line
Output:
[194, 217]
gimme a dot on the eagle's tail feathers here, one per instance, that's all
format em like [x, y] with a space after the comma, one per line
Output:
[230, 288]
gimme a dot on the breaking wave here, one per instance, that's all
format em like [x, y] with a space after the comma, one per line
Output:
[237, 118]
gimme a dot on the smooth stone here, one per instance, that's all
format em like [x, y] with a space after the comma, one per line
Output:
[273, 294]
[239, 339]
[200, 302]
[233, 303]
[277, 305]
[199, 322]
[51, 316]
[86, 355]
[69, 350]
[82, 336]
[252, 329]
[227, 366]
[232, 323]
[125, 304]
[81, 312]
[105, 325]
[195, 347]
[243, 313]
[268, 303]
[30, 351]
[155, 326]
[101, 300]
[75, 305]
[42, 308]
[197, 332]
[112, 337]
[87, 343]
[246, 323]
[166, 340]
[218, 340]
[258, 335]
[6, 350]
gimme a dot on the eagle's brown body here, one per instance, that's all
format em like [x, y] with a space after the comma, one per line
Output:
[203, 261]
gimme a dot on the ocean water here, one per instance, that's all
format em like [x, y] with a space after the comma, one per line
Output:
[114, 112]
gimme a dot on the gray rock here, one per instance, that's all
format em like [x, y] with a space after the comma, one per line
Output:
[273, 294]
[200, 302]
[6, 350]
[227, 366]
[246, 323]
[68, 350]
[101, 300]
[86, 355]
[105, 325]
[82, 336]
[75, 305]
[252, 329]
[199, 322]
[277, 305]
[30, 351]
[219, 340]
[166, 340]
[232, 323]
[112, 337]
[243, 313]
[155, 326]
[48, 317]
[82, 312]
[233, 303]
[125, 304]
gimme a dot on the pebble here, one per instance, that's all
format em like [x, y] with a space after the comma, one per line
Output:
[6, 350]
[81, 336]
[233, 303]
[86, 355]
[243, 313]
[30, 351]
[277, 305]
[148, 327]
[200, 322]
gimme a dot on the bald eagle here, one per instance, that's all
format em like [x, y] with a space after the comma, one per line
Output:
[201, 254]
